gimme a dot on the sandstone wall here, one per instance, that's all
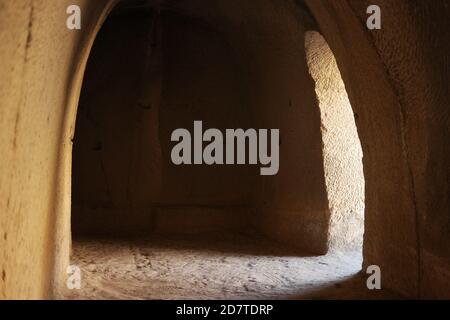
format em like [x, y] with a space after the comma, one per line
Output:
[401, 99]
[342, 151]
[38, 61]
[397, 83]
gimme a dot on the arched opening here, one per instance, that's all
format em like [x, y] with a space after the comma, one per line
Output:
[342, 150]
[157, 230]
[397, 83]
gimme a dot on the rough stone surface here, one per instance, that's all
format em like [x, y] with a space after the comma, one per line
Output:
[225, 267]
[342, 152]
[397, 81]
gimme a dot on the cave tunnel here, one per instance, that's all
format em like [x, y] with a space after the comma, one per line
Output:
[154, 69]
[358, 111]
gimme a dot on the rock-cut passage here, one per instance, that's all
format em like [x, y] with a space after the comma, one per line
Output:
[150, 73]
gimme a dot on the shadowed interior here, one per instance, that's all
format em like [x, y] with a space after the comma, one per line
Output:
[232, 63]
[154, 70]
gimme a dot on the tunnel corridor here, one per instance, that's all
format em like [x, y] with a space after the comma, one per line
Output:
[151, 229]
[355, 116]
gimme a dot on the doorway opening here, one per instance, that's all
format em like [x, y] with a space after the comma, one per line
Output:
[145, 228]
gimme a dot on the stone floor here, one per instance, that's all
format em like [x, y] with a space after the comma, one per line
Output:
[229, 267]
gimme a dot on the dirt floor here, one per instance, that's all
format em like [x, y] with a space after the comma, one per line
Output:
[230, 267]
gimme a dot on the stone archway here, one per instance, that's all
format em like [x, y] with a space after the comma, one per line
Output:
[293, 205]
[62, 199]
[282, 231]
[382, 132]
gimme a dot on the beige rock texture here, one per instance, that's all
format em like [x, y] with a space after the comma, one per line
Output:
[234, 266]
[232, 63]
[342, 150]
